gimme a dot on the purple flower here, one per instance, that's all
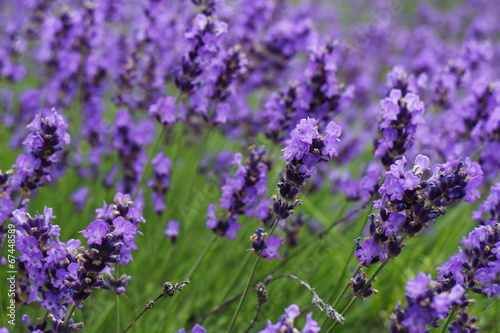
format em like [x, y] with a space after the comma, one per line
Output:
[272, 246]
[369, 252]
[172, 230]
[96, 231]
[164, 110]
[286, 322]
[241, 194]
[393, 224]
[198, 329]
[417, 287]
[79, 197]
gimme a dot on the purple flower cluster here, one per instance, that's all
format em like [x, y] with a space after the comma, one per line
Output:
[44, 261]
[304, 151]
[242, 194]
[490, 207]
[285, 324]
[475, 268]
[43, 144]
[409, 203]
[166, 112]
[160, 182]
[129, 215]
[319, 96]
[172, 230]
[58, 323]
[397, 127]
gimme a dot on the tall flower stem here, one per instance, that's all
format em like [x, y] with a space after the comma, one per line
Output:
[362, 223]
[249, 281]
[117, 308]
[285, 260]
[346, 286]
[448, 319]
[370, 280]
[69, 313]
[193, 269]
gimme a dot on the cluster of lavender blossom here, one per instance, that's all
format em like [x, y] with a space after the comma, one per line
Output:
[57, 274]
[475, 268]
[132, 77]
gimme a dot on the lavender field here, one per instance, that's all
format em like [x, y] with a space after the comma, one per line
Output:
[272, 166]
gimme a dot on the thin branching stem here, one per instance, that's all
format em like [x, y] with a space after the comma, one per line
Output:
[285, 260]
[168, 289]
[360, 292]
[249, 281]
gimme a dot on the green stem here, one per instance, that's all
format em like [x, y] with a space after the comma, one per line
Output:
[286, 260]
[201, 256]
[245, 292]
[343, 313]
[370, 280]
[69, 313]
[193, 269]
[249, 281]
[448, 319]
[346, 286]
[117, 308]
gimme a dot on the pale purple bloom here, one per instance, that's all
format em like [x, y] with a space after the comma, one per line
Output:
[79, 197]
[272, 246]
[96, 231]
[172, 230]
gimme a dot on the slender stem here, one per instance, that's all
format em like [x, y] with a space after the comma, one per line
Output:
[252, 273]
[362, 224]
[193, 269]
[168, 289]
[285, 260]
[69, 313]
[245, 291]
[346, 286]
[201, 256]
[370, 280]
[343, 313]
[117, 308]
[450, 316]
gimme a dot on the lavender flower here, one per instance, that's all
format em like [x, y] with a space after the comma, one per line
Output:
[79, 197]
[491, 207]
[305, 149]
[272, 246]
[285, 323]
[241, 194]
[48, 135]
[409, 204]
[399, 119]
[172, 230]
[44, 261]
[165, 111]
[359, 287]
[474, 268]
[129, 140]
